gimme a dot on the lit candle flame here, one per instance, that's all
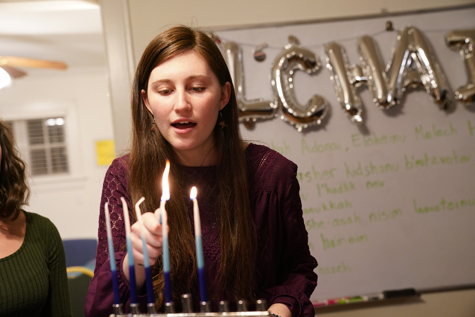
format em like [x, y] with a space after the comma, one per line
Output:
[165, 187]
[193, 193]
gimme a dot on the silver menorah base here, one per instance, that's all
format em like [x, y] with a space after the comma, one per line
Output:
[242, 305]
[211, 314]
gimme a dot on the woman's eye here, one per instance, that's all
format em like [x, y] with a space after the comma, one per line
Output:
[198, 89]
[164, 92]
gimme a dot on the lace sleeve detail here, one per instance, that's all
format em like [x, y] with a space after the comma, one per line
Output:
[114, 187]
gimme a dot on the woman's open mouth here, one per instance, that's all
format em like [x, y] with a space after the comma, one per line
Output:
[183, 125]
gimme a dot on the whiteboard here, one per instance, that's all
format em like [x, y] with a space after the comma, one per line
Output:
[365, 200]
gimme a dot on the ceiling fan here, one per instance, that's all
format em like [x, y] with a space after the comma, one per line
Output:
[11, 65]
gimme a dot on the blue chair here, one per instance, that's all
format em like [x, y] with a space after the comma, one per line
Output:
[80, 261]
[80, 252]
[78, 279]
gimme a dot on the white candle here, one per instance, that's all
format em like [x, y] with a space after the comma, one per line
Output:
[146, 260]
[132, 283]
[199, 245]
[163, 218]
[115, 283]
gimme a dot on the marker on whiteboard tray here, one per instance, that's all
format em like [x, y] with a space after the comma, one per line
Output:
[327, 302]
[344, 300]
[373, 297]
[349, 300]
[405, 292]
[356, 299]
[365, 298]
[334, 301]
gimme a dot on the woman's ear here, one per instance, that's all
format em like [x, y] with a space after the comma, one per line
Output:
[145, 100]
[225, 95]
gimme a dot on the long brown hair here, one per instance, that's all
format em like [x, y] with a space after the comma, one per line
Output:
[14, 191]
[147, 161]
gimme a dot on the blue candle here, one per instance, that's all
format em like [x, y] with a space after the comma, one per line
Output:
[199, 245]
[146, 260]
[165, 255]
[164, 221]
[115, 284]
[132, 283]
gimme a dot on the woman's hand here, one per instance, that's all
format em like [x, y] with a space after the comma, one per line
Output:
[280, 310]
[153, 236]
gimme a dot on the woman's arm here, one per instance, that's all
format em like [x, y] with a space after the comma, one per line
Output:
[100, 296]
[59, 303]
[290, 266]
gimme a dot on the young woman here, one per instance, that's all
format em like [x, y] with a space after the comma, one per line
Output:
[32, 261]
[254, 239]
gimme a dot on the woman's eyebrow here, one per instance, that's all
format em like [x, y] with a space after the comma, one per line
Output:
[192, 77]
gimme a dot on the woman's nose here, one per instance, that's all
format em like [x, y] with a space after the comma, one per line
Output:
[182, 101]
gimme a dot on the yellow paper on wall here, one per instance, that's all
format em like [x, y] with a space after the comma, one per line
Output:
[105, 152]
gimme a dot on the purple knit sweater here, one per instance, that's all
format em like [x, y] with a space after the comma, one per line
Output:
[284, 267]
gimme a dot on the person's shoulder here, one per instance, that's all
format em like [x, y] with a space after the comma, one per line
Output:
[121, 161]
[43, 235]
[262, 159]
[40, 224]
[119, 165]
[38, 219]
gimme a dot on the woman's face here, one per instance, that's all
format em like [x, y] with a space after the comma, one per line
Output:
[185, 97]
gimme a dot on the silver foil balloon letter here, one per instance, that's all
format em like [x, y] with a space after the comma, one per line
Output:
[300, 116]
[344, 78]
[463, 41]
[249, 110]
[414, 64]
[373, 69]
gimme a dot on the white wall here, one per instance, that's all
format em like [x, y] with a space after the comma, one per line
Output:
[149, 17]
[72, 202]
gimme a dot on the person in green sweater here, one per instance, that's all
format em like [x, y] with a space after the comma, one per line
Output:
[33, 278]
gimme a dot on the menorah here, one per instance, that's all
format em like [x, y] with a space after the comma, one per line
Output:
[243, 309]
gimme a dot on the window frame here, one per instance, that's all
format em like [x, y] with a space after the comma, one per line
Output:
[42, 110]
